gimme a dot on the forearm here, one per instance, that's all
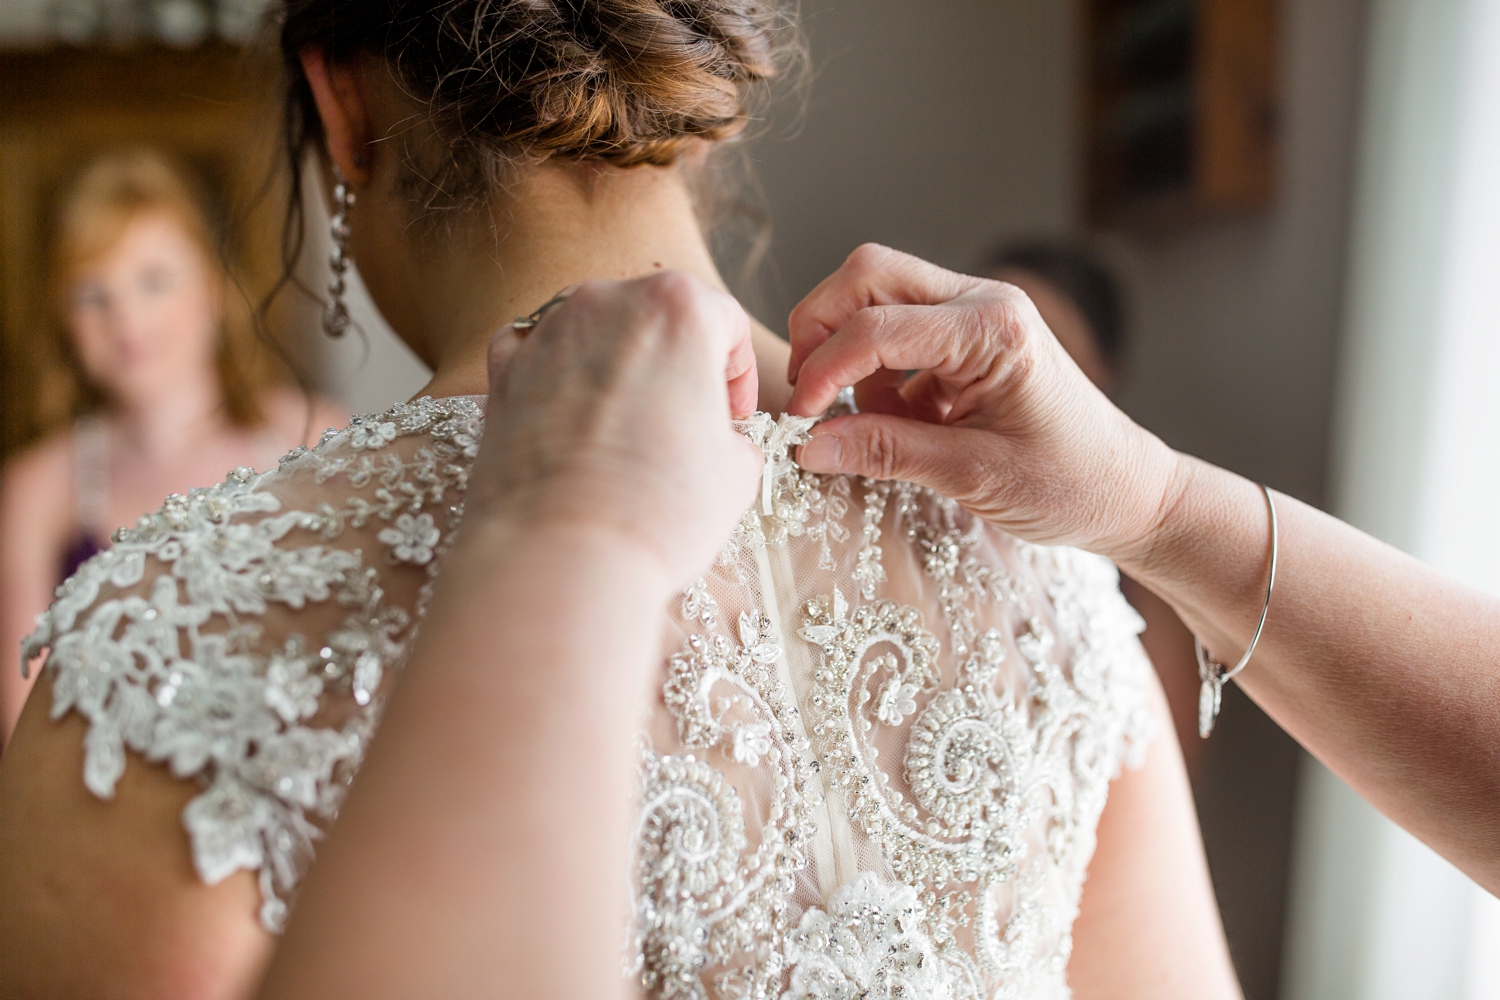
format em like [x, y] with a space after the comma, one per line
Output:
[1381, 667]
[469, 854]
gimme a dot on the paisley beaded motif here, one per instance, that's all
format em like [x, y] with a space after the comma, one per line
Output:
[986, 772]
[706, 900]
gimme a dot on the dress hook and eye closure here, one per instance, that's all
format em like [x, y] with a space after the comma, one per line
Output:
[524, 324]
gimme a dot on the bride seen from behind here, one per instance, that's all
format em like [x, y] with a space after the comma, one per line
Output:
[881, 723]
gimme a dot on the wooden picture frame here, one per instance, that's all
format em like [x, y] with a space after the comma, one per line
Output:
[1180, 109]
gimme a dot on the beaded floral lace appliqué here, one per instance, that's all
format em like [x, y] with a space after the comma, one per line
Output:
[184, 675]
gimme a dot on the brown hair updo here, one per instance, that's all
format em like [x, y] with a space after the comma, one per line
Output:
[625, 82]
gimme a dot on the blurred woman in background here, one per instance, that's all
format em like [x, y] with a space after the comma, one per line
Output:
[145, 304]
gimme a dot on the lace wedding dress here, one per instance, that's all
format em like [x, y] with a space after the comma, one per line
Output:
[883, 742]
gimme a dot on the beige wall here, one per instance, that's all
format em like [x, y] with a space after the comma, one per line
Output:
[1238, 321]
[933, 126]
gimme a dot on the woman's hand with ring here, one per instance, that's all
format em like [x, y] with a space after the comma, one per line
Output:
[613, 415]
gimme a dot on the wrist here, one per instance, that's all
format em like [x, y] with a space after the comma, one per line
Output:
[1204, 515]
[1162, 483]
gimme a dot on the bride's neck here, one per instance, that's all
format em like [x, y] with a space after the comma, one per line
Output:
[557, 226]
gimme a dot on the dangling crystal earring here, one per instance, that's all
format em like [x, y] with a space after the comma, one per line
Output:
[336, 315]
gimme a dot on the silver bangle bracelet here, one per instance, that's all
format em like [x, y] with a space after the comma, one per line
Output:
[1211, 672]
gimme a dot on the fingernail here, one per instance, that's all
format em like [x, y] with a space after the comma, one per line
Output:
[821, 454]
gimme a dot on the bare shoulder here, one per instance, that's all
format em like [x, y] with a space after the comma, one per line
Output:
[36, 514]
[1148, 924]
[33, 480]
[301, 417]
[100, 898]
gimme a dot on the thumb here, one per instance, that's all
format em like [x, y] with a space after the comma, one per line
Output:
[879, 446]
[503, 346]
